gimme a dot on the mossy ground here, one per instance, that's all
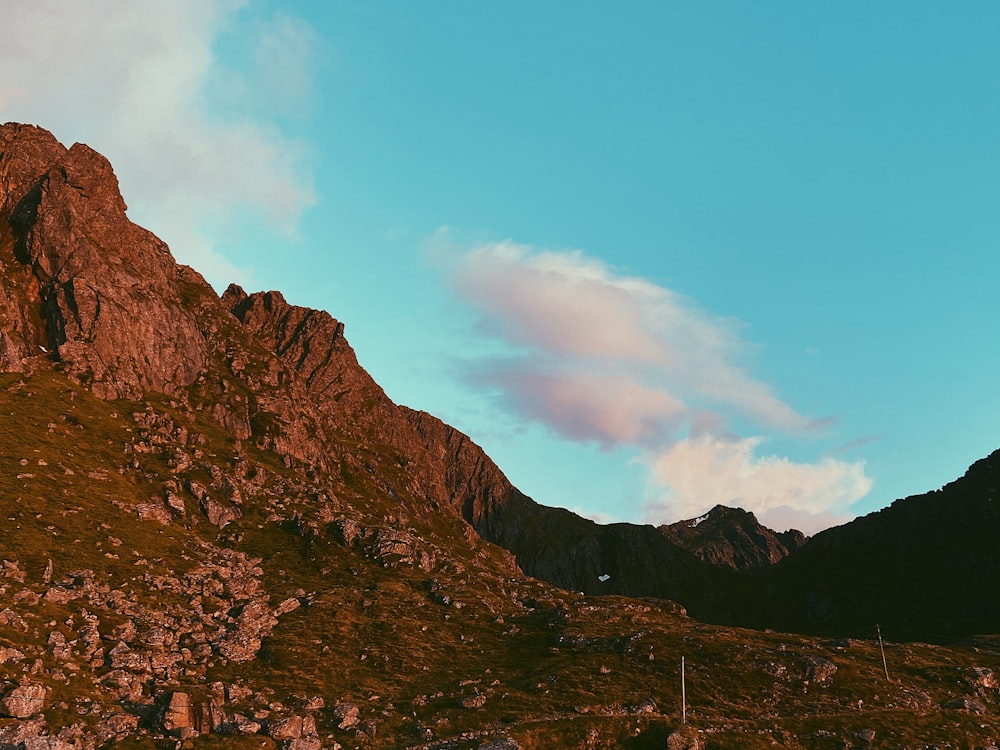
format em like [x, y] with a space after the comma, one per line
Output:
[556, 669]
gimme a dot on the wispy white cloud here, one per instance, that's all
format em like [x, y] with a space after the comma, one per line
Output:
[133, 80]
[621, 361]
[695, 473]
[596, 516]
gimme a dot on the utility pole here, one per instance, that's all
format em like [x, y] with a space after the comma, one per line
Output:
[882, 649]
[684, 708]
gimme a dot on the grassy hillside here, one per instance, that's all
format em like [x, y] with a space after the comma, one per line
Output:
[429, 633]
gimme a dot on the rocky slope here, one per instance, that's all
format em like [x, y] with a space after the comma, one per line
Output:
[219, 531]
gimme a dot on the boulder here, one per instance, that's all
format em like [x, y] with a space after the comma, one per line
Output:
[981, 677]
[179, 716]
[24, 701]
[819, 669]
[505, 743]
[286, 729]
[348, 715]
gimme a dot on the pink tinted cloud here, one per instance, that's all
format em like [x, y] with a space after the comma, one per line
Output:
[693, 475]
[565, 306]
[561, 303]
[609, 409]
[621, 361]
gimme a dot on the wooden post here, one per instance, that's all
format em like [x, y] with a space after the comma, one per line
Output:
[882, 649]
[684, 710]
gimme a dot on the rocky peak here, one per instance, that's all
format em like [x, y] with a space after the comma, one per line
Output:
[310, 342]
[97, 293]
[733, 538]
[26, 153]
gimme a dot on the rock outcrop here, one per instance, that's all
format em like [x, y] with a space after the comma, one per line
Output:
[24, 701]
[107, 295]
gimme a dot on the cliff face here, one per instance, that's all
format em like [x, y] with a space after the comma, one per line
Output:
[103, 301]
[96, 291]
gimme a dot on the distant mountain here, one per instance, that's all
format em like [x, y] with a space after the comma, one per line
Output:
[733, 538]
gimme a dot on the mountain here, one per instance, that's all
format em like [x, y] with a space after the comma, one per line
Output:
[922, 567]
[218, 531]
[733, 538]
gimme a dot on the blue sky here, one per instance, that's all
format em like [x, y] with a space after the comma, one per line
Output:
[652, 256]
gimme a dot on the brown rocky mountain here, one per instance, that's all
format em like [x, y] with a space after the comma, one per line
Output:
[218, 531]
[733, 538]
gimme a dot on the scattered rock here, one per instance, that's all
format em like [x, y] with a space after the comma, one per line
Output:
[505, 743]
[966, 703]
[218, 514]
[683, 740]
[981, 677]
[474, 701]
[286, 729]
[648, 706]
[116, 727]
[10, 654]
[13, 735]
[153, 512]
[24, 701]
[304, 743]
[178, 717]
[315, 703]
[245, 725]
[818, 669]
[345, 530]
[46, 743]
[348, 715]
[287, 606]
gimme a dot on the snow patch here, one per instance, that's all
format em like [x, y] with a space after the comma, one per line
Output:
[698, 520]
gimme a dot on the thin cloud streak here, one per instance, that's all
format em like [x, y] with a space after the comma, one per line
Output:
[132, 80]
[620, 361]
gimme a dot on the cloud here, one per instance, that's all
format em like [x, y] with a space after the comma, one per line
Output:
[134, 81]
[620, 361]
[599, 517]
[696, 474]
[610, 409]
[574, 310]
